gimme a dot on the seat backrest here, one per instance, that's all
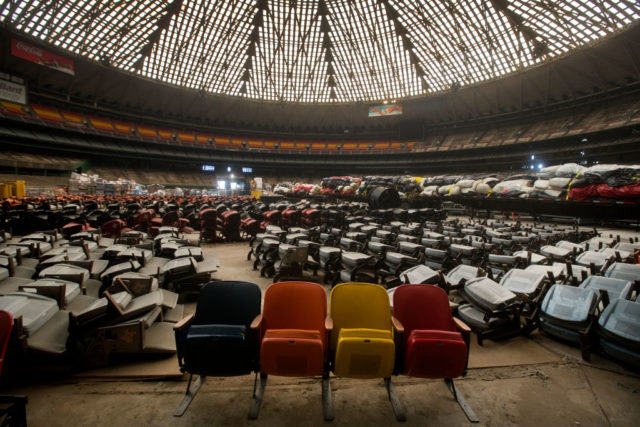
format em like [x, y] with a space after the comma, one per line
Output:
[359, 305]
[295, 255]
[6, 325]
[208, 214]
[228, 303]
[171, 218]
[422, 307]
[295, 305]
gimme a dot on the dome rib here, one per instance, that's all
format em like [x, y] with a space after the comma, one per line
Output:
[320, 51]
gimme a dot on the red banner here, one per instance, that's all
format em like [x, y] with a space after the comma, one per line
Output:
[39, 56]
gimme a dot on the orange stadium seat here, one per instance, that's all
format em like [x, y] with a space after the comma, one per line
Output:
[186, 137]
[123, 127]
[101, 124]
[255, 143]
[203, 138]
[222, 141]
[72, 118]
[146, 131]
[165, 134]
[293, 336]
[14, 109]
[48, 114]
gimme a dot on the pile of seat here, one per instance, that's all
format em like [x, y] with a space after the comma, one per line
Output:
[607, 181]
[558, 182]
[403, 184]
[340, 185]
[601, 313]
[498, 273]
[84, 299]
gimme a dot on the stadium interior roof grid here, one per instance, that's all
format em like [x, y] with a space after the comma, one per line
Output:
[320, 51]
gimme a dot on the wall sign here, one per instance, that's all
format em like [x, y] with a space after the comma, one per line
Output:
[12, 91]
[385, 110]
[32, 53]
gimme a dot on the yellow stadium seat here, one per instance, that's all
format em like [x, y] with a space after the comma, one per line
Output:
[362, 339]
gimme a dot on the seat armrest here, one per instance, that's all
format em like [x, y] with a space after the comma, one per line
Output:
[397, 325]
[461, 326]
[257, 322]
[328, 323]
[183, 323]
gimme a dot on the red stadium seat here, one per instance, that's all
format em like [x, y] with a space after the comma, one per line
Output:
[434, 344]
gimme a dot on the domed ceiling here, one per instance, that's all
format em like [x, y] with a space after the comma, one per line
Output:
[319, 51]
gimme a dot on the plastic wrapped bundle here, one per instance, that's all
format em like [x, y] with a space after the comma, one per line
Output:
[430, 191]
[465, 183]
[384, 198]
[541, 184]
[569, 170]
[559, 183]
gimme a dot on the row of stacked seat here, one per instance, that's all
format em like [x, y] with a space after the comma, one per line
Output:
[104, 125]
[499, 273]
[82, 298]
[622, 115]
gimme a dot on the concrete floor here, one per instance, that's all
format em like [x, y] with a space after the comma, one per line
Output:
[565, 391]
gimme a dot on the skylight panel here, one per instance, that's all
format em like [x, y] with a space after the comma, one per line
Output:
[205, 44]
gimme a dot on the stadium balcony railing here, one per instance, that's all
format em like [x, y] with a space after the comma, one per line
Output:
[620, 115]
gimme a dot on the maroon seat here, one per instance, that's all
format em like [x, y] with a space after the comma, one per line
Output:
[273, 217]
[113, 228]
[229, 225]
[250, 227]
[208, 224]
[291, 218]
[143, 220]
[310, 217]
[6, 325]
[12, 408]
[72, 228]
[434, 343]
[171, 219]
